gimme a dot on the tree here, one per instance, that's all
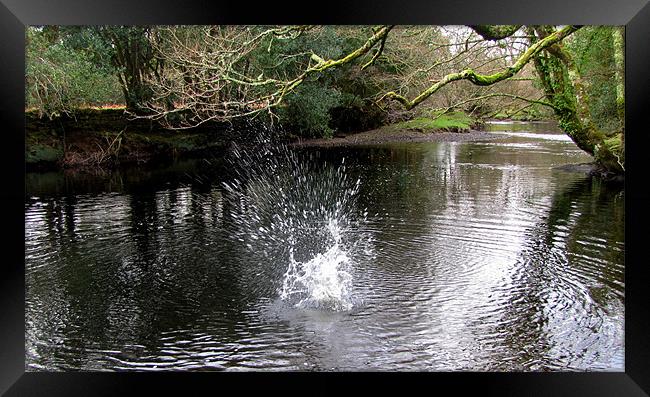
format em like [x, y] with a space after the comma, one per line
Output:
[186, 76]
[60, 78]
[87, 57]
[129, 51]
[565, 88]
[565, 85]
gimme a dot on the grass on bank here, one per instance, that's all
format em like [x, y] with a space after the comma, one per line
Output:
[451, 122]
[532, 113]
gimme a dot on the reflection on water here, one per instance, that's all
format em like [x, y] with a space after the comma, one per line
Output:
[485, 258]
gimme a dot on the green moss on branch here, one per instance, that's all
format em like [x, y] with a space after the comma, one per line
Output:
[485, 80]
[495, 32]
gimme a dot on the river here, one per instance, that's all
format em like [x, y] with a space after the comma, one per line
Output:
[458, 256]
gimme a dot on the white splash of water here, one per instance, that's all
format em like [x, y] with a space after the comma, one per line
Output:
[322, 282]
[299, 215]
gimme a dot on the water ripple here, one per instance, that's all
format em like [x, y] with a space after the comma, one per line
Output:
[459, 257]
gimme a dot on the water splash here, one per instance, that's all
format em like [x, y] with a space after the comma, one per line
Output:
[324, 281]
[298, 215]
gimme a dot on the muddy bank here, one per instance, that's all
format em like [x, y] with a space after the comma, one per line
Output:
[107, 137]
[388, 135]
[108, 148]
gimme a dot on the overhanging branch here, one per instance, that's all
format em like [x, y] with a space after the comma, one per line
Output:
[485, 80]
[210, 72]
[500, 94]
[379, 51]
[495, 32]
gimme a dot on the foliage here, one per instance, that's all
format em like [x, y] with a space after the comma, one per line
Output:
[125, 51]
[593, 51]
[60, 79]
[73, 66]
[308, 110]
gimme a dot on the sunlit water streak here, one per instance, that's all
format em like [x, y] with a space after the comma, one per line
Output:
[474, 256]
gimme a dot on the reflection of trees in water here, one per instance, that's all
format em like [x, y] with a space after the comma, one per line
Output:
[482, 223]
[412, 187]
[125, 270]
[134, 268]
[129, 179]
[562, 302]
[400, 182]
[62, 281]
[466, 185]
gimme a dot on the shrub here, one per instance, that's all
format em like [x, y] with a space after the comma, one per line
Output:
[307, 111]
[59, 79]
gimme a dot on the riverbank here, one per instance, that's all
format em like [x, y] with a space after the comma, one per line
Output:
[390, 134]
[105, 138]
[107, 148]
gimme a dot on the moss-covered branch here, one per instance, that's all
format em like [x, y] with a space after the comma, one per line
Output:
[495, 32]
[500, 95]
[321, 65]
[379, 51]
[485, 80]
[379, 36]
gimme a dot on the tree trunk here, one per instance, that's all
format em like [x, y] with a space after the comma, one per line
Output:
[564, 87]
[619, 60]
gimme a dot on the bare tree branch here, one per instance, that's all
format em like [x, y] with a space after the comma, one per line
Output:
[205, 71]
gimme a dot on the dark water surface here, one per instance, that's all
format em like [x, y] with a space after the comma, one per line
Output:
[483, 257]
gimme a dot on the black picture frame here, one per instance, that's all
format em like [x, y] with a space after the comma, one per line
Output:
[16, 14]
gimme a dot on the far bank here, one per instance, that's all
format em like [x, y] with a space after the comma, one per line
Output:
[105, 138]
